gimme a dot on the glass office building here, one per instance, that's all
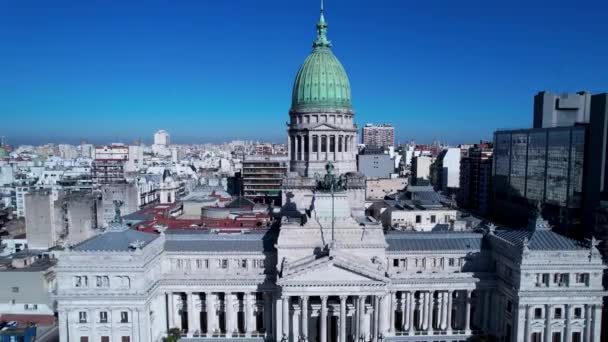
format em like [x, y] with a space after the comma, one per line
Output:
[544, 164]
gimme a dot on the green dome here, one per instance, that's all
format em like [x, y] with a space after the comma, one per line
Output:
[321, 82]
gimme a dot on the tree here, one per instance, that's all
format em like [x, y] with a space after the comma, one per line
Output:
[172, 335]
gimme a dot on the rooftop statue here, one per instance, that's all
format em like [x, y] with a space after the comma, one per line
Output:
[117, 216]
[329, 182]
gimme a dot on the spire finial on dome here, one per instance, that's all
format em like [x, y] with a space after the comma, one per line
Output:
[321, 40]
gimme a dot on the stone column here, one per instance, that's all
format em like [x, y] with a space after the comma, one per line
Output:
[357, 318]
[277, 319]
[229, 313]
[361, 324]
[171, 312]
[597, 323]
[528, 322]
[548, 323]
[444, 310]
[405, 310]
[384, 313]
[449, 313]
[326, 156]
[323, 319]
[422, 307]
[411, 306]
[392, 308]
[248, 300]
[304, 318]
[309, 154]
[289, 151]
[588, 323]
[63, 324]
[343, 318]
[285, 316]
[467, 314]
[303, 139]
[374, 323]
[431, 311]
[210, 308]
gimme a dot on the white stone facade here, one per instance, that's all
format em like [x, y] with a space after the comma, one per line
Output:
[307, 281]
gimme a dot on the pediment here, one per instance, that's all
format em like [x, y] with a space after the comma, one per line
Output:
[324, 126]
[333, 269]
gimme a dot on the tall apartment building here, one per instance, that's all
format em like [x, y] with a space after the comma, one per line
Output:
[476, 178]
[543, 165]
[553, 110]
[446, 169]
[421, 170]
[262, 176]
[109, 164]
[381, 136]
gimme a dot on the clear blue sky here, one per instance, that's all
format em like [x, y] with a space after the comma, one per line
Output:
[216, 70]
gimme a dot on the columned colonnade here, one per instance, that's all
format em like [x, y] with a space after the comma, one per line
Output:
[309, 146]
[225, 314]
[321, 318]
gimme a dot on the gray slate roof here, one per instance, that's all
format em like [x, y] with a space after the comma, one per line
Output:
[540, 240]
[206, 242]
[115, 241]
[433, 241]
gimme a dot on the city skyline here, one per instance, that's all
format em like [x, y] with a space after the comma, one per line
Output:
[72, 71]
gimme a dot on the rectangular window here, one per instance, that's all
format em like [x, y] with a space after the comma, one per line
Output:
[563, 279]
[82, 317]
[536, 337]
[84, 338]
[538, 313]
[105, 338]
[558, 313]
[324, 143]
[315, 143]
[103, 317]
[576, 336]
[243, 263]
[98, 281]
[582, 278]
[199, 263]
[451, 262]
[509, 306]
[224, 263]
[125, 339]
[124, 317]
[578, 313]
[15, 289]
[418, 218]
[433, 218]
[545, 279]
[395, 262]
[340, 144]
[332, 143]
